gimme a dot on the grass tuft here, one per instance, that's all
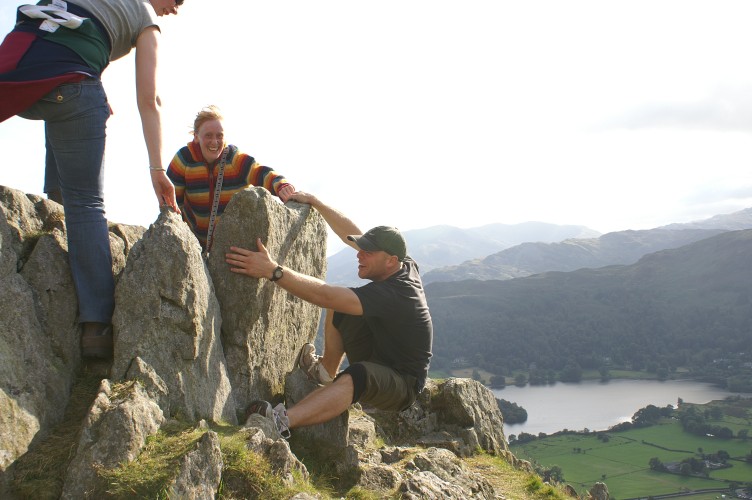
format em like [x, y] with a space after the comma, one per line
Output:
[511, 482]
[245, 474]
[149, 475]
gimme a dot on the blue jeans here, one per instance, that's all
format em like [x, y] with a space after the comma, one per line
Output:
[75, 117]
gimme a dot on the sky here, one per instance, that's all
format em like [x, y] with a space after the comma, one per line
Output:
[614, 115]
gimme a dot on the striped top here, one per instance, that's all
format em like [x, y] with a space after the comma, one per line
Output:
[194, 186]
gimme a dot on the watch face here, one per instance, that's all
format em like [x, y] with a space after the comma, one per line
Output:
[277, 273]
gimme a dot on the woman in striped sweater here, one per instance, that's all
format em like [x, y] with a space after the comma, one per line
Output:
[195, 171]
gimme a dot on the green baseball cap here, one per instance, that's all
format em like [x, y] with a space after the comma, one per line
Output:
[385, 238]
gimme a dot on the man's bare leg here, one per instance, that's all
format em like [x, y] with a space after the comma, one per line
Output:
[323, 404]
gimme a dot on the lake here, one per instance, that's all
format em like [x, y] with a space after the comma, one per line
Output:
[598, 405]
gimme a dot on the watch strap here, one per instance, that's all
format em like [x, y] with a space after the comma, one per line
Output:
[277, 274]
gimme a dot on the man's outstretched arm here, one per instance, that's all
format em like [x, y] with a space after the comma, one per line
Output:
[260, 265]
[340, 224]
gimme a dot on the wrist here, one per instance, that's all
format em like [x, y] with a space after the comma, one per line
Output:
[277, 273]
[152, 168]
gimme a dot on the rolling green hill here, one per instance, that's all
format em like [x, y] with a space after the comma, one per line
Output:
[689, 307]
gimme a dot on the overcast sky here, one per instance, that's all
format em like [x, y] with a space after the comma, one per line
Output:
[414, 113]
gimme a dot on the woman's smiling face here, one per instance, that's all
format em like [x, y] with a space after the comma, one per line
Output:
[211, 138]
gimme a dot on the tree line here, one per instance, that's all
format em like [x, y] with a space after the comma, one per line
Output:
[656, 316]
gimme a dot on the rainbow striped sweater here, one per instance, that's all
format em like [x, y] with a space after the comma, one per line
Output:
[194, 186]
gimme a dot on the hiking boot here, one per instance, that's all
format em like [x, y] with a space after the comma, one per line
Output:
[311, 365]
[96, 340]
[278, 415]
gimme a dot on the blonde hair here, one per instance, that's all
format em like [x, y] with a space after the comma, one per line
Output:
[210, 112]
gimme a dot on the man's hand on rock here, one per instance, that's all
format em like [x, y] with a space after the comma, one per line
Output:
[254, 264]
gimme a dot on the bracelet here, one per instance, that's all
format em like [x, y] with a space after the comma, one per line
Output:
[159, 169]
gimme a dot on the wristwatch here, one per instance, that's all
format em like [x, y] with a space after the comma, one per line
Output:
[277, 274]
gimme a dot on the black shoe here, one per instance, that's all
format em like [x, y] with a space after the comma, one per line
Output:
[96, 341]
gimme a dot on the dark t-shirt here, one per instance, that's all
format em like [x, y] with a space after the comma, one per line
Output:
[397, 313]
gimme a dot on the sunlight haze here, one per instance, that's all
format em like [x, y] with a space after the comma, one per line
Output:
[612, 115]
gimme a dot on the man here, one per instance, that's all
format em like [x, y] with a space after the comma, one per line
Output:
[384, 327]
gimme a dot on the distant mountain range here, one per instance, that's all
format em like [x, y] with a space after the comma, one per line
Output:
[504, 251]
[622, 247]
[687, 306]
[439, 246]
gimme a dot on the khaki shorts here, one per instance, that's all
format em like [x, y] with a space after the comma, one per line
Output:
[375, 384]
[381, 387]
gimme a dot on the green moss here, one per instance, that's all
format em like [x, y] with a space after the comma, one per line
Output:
[536, 486]
[358, 493]
[247, 475]
[511, 482]
[158, 463]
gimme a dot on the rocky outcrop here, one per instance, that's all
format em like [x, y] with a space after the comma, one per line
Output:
[196, 342]
[34, 385]
[459, 414]
[438, 473]
[168, 317]
[262, 325]
[262, 438]
[36, 365]
[39, 334]
[113, 433]
[200, 470]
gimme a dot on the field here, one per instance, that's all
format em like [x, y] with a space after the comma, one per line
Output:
[622, 460]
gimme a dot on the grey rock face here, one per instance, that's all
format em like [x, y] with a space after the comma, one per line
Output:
[113, 432]
[8, 257]
[263, 438]
[167, 315]
[440, 474]
[46, 270]
[25, 372]
[152, 383]
[283, 461]
[459, 414]
[263, 424]
[380, 477]
[28, 215]
[263, 326]
[200, 471]
[425, 484]
[468, 404]
[38, 333]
